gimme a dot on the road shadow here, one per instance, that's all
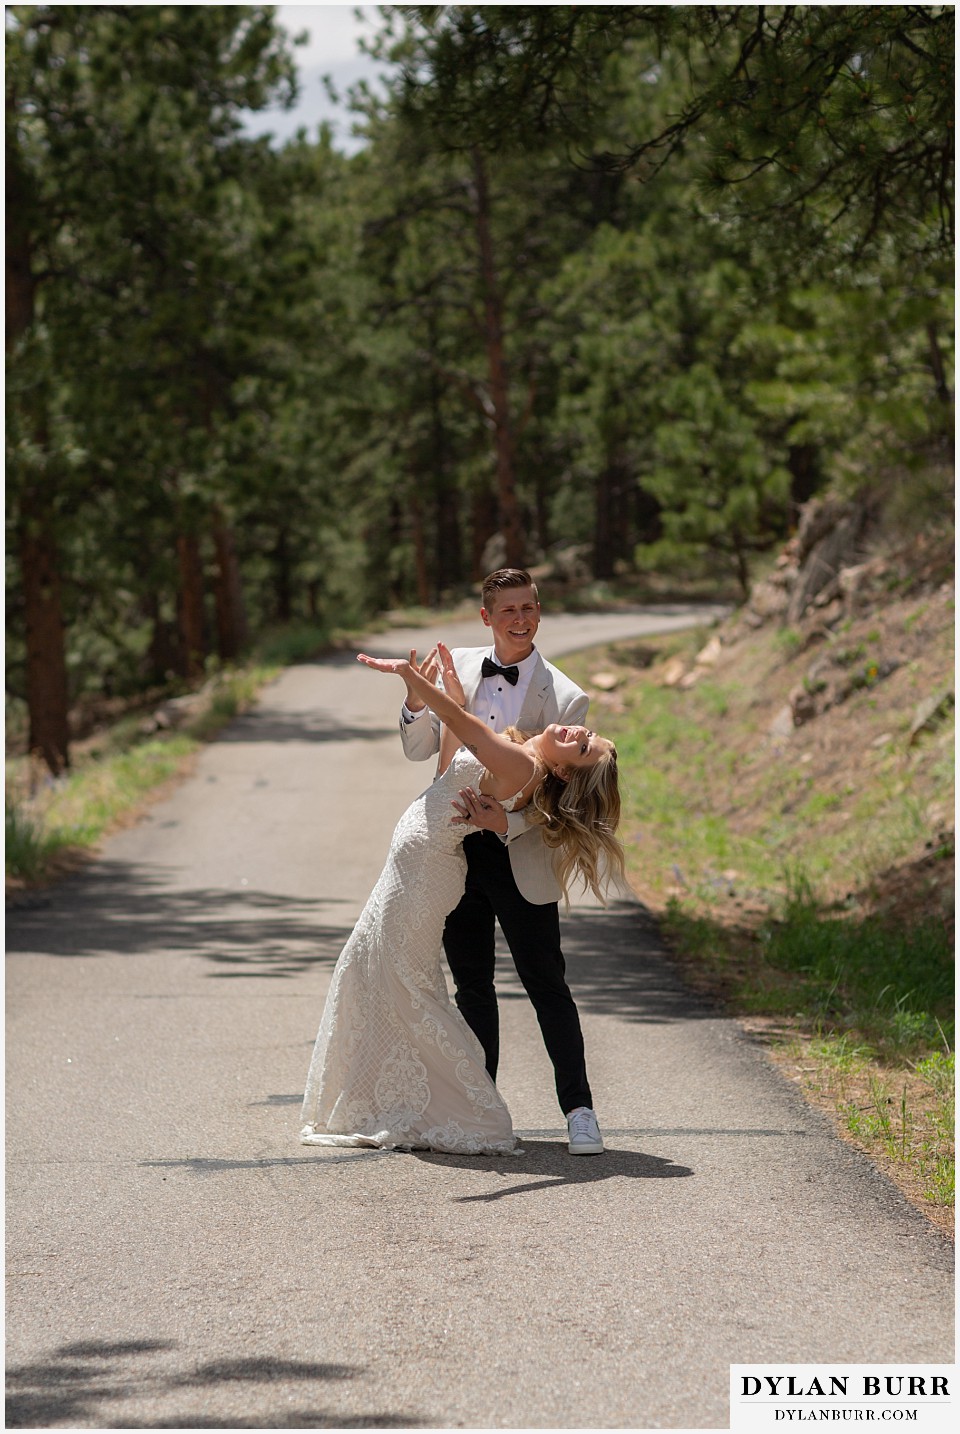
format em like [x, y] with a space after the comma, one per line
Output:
[214, 1165]
[269, 725]
[616, 966]
[76, 1383]
[118, 908]
[551, 1160]
[310, 723]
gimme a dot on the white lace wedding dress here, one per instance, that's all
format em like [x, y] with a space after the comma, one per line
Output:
[395, 1065]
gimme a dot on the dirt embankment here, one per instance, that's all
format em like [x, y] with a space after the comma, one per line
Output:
[828, 704]
[863, 695]
[812, 731]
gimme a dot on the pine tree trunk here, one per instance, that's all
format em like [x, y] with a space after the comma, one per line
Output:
[448, 566]
[542, 508]
[509, 515]
[281, 577]
[612, 538]
[740, 557]
[647, 526]
[449, 562]
[419, 553]
[803, 464]
[228, 591]
[396, 589]
[603, 522]
[47, 692]
[482, 529]
[20, 295]
[190, 606]
[161, 659]
[46, 656]
[937, 364]
[622, 536]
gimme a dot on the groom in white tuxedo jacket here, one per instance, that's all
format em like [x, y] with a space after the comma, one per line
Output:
[510, 875]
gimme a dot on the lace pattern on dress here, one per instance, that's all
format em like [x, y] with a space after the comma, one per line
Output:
[395, 1065]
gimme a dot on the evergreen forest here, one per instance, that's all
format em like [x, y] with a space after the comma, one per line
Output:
[611, 290]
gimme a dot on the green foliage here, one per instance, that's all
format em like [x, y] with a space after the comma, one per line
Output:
[222, 347]
[789, 642]
[712, 476]
[939, 1069]
[115, 777]
[854, 1043]
[835, 119]
[164, 300]
[300, 642]
[894, 985]
[28, 846]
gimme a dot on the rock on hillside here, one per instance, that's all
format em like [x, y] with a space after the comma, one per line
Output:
[829, 700]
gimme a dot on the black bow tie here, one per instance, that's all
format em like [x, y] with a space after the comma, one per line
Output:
[490, 669]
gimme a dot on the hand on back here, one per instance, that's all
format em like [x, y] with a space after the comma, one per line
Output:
[476, 809]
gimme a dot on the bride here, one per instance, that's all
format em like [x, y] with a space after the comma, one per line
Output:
[395, 1065]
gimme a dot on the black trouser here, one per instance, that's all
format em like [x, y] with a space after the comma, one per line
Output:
[533, 935]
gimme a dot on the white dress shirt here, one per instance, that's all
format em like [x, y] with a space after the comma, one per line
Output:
[497, 702]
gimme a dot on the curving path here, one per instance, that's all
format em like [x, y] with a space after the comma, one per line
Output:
[176, 1259]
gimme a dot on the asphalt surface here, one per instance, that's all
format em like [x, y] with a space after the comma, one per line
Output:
[176, 1258]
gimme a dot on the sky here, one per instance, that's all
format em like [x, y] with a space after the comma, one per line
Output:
[331, 50]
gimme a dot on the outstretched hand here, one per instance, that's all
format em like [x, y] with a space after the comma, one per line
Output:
[400, 665]
[429, 669]
[403, 667]
[437, 663]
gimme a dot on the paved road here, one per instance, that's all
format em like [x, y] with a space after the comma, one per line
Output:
[176, 1259]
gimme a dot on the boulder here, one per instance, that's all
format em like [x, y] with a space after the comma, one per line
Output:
[782, 724]
[494, 553]
[768, 599]
[568, 564]
[817, 518]
[829, 542]
[672, 672]
[927, 713]
[709, 656]
[816, 678]
[803, 706]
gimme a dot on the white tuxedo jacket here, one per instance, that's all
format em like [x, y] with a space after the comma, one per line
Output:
[550, 697]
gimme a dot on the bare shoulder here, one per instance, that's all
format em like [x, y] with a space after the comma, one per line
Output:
[490, 786]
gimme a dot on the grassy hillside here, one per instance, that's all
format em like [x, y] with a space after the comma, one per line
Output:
[789, 816]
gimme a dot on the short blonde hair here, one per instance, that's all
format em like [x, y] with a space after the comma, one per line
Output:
[502, 580]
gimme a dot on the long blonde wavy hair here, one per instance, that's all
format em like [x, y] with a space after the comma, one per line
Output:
[579, 819]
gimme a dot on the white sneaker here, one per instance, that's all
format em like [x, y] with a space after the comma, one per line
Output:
[584, 1132]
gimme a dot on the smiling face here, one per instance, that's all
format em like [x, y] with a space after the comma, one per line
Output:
[513, 616]
[565, 748]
